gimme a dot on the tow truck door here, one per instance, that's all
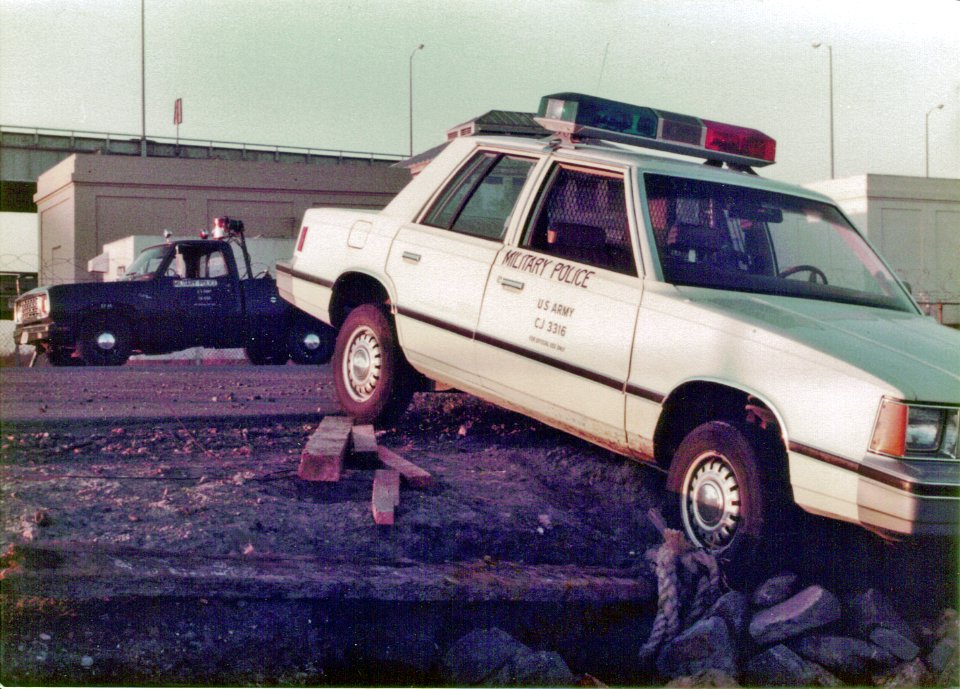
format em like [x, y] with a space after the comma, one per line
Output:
[203, 305]
[560, 308]
[439, 265]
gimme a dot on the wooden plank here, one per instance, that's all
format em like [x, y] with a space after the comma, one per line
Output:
[322, 457]
[386, 495]
[364, 441]
[414, 476]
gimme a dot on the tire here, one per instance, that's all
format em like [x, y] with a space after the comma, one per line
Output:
[266, 354]
[105, 341]
[61, 356]
[311, 342]
[718, 464]
[371, 377]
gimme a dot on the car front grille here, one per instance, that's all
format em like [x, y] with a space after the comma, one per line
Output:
[30, 309]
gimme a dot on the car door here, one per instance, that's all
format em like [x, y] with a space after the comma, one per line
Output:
[440, 264]
[560, 308]
[202, 302]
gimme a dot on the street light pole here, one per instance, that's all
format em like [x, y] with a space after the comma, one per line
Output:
[817, 44]
[143, 84]
[410, 94]
[926, 138]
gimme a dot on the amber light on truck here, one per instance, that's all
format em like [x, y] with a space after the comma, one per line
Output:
[576, 114]
[916, 431]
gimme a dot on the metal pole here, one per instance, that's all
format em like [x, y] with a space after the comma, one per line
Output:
[926, 138]
[817, 44]
[410, 94]
[143, 85]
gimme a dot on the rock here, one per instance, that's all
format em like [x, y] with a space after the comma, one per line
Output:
[528, 668]
[872, 609]
[706, 678]
[812, 608]
[704, 646]
[86, 661]
[905, 676]
[774, 590]
[732, 607]
[779, 665]
[895, 643]
[844, 655]
[940, 656]
[478, 656]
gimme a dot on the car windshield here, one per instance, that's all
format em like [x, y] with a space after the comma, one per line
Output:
[735, 238]
[146, 264]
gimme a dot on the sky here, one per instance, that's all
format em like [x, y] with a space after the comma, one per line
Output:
[336, 74]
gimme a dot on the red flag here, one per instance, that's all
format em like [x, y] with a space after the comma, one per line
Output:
[178, 111]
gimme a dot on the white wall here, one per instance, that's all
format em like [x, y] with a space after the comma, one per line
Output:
[20, 242]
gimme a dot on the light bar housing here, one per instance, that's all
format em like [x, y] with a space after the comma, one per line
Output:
[579, 115]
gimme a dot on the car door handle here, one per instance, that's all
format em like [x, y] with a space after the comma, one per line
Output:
[410, 256]
[510, 284]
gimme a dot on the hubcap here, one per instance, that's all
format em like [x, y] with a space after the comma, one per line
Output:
[311, 341]
[711, 502]
[363, 364]
[106, 341]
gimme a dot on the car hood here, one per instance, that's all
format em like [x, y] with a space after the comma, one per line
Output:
[913, 353]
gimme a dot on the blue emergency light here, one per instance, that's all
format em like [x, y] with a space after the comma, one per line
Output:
[577, 115]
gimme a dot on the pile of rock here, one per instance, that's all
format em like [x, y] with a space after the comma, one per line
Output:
[775, 636]
[781, 636]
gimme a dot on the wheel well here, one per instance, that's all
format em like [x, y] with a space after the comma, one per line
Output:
[352, 290]
[111, 315]
[698, 402]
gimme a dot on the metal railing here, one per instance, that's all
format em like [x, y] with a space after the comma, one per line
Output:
[183, 142]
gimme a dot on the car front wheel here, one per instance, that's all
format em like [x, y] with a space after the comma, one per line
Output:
[370, 373]
[311, 342]
[721, 494]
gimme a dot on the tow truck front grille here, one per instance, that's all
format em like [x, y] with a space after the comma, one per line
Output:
[30, 308]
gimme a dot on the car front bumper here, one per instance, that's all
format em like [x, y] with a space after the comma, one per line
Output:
[43, 333]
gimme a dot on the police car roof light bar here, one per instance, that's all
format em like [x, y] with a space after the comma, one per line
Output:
[578, 115]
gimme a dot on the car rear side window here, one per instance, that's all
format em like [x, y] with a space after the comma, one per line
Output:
[481, 197]
[582, 216]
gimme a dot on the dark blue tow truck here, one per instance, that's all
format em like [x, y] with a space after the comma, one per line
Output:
[175, 295]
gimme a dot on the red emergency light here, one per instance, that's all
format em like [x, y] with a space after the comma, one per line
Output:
[579, 115]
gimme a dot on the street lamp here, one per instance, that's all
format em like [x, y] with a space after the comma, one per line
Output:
[817, 44]
[926, 137]
[410, 93]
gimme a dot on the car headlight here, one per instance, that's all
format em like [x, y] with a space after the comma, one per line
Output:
[921, 431]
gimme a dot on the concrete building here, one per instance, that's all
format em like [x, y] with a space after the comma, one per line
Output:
[915, 224]
[87, 201]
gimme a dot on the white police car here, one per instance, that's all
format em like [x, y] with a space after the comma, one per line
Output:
[737, 332]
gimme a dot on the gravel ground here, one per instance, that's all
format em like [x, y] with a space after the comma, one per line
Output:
[201, 461]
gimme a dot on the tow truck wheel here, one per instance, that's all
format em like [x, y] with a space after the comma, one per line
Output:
[105, 341]
[370, 374]
[61, 356]
[311, 342]
[722, 498]
[266, 354]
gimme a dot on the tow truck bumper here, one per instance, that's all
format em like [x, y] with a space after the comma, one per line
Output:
[39, 334]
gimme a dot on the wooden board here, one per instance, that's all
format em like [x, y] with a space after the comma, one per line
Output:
[322, 457]
[386, 495]
[414, 476]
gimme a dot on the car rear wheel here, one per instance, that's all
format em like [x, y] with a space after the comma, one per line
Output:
[722, 496]
[105, 341]
[266, 354]
[371, 377]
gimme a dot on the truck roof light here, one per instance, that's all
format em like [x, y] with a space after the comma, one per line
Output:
[576, 114]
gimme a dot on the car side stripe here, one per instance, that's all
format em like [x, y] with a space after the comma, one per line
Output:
[303, 276]
[607, 381]
[874, 473]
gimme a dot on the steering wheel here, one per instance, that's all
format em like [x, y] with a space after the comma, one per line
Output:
[805, 267]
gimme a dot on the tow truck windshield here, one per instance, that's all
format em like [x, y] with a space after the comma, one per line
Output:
[146, 264]
[735, 238]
